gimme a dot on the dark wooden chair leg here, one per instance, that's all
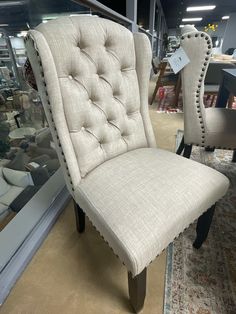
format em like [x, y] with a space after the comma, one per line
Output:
[181, 147]
[80, 218]
[234, 156]
[187, 150]
[203, 227]
[137, 290]
[155, 92]
[177, 91]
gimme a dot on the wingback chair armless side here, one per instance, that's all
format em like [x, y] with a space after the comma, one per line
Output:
[92, 75]
[207, 127]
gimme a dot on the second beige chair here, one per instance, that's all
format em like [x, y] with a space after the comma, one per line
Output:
[92, 75]
[206, 127]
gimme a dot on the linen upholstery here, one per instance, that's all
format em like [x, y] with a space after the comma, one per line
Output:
[98, 70]
[143, 68]
[123, 197]
[198, 47]
[92, 76]
[48, 87]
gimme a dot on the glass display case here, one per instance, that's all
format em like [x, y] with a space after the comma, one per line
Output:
[32, 188]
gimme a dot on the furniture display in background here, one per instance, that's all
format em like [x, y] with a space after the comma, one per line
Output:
[207, 127]
[166, 78]
[29, 161]
[95, 95]
[20, 55]
[12, 183]
[214, 77]
[21, 133]
[227, 88]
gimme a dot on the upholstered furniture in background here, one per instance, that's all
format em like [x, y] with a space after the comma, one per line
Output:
[207, 127]
[213, 79]
[12, 183]
[92, 76]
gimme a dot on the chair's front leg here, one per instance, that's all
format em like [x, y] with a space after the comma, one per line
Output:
[181, 147]
[137, 290]
[203, 226]
[80, 218]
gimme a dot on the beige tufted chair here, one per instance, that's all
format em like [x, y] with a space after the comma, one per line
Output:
[207, 127]
[92, 75]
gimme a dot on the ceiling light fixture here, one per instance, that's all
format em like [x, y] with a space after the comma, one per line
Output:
[2, 25]
[201, 8]
[226, 17]
[182, 25]
[192, 19]
[11, 3]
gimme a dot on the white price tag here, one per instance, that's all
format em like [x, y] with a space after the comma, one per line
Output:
[178, 60]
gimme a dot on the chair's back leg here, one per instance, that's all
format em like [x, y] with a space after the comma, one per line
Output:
[234, 156]
[203, 226]
[181, 147]
[187, 150]
[137, 290]
[177, 91]
[80, 218]
[162, 69]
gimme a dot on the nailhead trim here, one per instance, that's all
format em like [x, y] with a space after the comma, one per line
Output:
[197, 92]
[57, 140]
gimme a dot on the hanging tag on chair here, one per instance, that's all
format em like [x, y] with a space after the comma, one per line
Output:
[178, 60]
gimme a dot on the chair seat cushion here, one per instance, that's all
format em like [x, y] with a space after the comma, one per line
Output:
[141, 200]
[221, 128]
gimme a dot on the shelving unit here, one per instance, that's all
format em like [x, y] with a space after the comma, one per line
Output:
[4, 54]
[20, 55]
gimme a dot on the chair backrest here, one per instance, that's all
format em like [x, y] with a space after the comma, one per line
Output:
[198, 47]
[92, 75]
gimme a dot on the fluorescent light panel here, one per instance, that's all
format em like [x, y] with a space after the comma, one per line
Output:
[226, 17]
[182, 25]
[11, 3]
[2, 25]
[192, 19]
[201, 8]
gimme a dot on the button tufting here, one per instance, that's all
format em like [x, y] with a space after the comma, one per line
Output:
[70, 77]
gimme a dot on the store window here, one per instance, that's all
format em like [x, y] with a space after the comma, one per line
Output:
[27, 154]
[143, 14]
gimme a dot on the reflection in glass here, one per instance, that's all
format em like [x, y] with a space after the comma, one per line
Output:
[27, 155]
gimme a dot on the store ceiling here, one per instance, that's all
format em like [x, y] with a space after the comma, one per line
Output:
[175, 10]
[18, 13]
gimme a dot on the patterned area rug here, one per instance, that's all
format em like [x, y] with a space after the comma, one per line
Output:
[204, 281]
[164, 101]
